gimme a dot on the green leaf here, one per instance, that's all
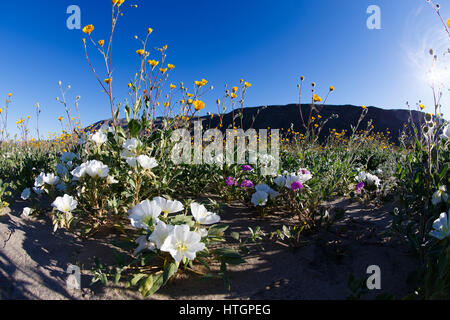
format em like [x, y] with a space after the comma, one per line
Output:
[228, 255]
[169, 271]
[136, 279]
[217, 230]
[146, 286]
[157, 284]
[134, 126]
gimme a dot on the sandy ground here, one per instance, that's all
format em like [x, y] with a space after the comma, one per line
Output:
[33, 261]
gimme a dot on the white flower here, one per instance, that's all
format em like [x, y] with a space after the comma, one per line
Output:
[290, 179]
[27, 211]
[132, 161]
[202, 216]
[127, 154]
[144, 214]
[260, 198]
[26, 194]
[62, 187]
[131, 144]
[106, 129]
[38, 191]
[265, 188]
[147, 162]
[96, 168]
[440, 196]
[369, 179]
[68, 156]
[111, 180]
[143, 244]
[80, 171]
[202, 232]
[361, 177]
[280, 181]
[372, 180]
[183, 243]
[168, 206]
[446, 132]
[304, 175]
[99, 137]
[65, 204]
[441, 227]
[39, 181]
[266, 159]
[160, 234]
[61, 170]
[51, 179]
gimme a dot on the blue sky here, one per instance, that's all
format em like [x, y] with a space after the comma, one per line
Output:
[268, 43]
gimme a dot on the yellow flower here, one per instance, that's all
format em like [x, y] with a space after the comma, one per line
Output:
[234, 89]
[448, 23]
[190, 101]
[163, 70]
[233, 95]
[60, 118]
[190, 95]
[130, 85]
[9, 95]
[204, 81]
[170, 66]
[166, 104]
[421, 106]
[141, 52]
[153, 63]
[118, 2]
[172, 86]
[331, 88]
[149, 30]
[364, 107]
[88, 29]
[199, 105]
[302, 78]
[199, 83]
[316, 98]
[1, 110]
[101, 43]
[247, 85]
[108, 81]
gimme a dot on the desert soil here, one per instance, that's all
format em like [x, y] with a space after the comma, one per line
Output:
[34, 260]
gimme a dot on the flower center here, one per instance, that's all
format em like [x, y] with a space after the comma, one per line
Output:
[181, 247]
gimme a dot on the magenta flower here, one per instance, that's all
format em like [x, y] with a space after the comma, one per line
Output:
[230, 181]
[247, 184]
[247, 168]
[295, 186]
[359, 187]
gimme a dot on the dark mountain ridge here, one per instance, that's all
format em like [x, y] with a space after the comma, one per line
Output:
[288, 116]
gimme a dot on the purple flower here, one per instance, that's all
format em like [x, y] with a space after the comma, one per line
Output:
[230, 181]
[295, 186]
[247, 168]
[359, 187]
[247, 184]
